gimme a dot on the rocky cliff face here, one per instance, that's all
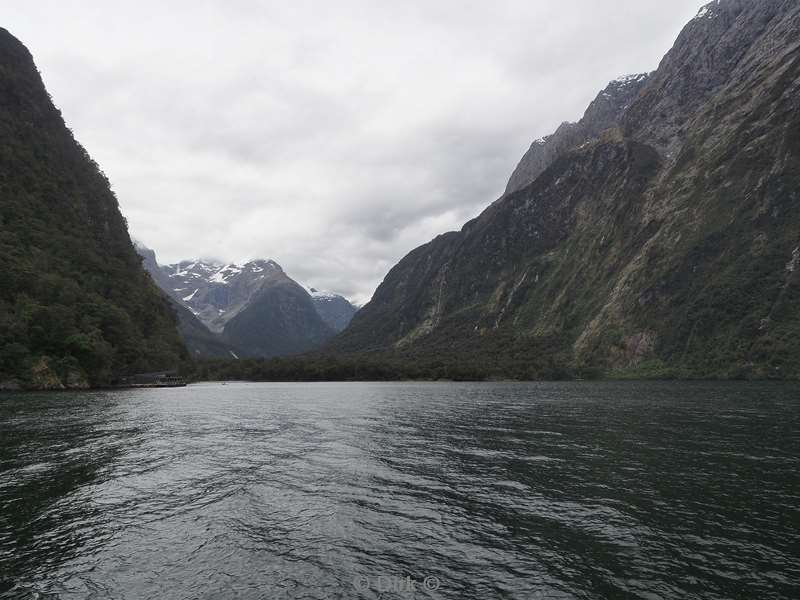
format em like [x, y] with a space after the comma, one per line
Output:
[603, 114]
[76, 307]
[668, 243]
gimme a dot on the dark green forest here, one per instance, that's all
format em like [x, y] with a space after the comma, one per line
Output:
[509, 358]
[76, 307]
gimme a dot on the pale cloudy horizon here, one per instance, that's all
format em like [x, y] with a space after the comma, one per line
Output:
[333, 138]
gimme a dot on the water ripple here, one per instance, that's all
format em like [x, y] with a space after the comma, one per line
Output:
[569, 490]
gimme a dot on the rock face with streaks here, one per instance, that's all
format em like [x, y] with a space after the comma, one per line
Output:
[658, 235]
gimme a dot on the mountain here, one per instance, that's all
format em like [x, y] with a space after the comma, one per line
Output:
[76, 307]
[199, 340]
[246, 309]
[215, 292]
[151, 266]
[281, 319]
[337, 311]
[603, 113]
[666, 244]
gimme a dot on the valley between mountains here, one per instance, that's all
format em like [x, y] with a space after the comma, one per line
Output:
[657, 236]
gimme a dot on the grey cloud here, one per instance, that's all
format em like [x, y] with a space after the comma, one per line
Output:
[332, 137]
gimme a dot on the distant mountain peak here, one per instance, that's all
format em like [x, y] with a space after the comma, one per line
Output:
[629, 79]
[603, 114]
[709, 11]
[336, 310]
[315, 293]
[218, 293]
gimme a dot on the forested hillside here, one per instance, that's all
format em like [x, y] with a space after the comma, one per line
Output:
[76, 307]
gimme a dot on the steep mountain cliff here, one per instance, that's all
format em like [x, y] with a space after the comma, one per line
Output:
[603, 113]
[668, 243]
[76, 307]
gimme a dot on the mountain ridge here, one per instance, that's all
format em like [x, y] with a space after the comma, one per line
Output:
[251, 308]
[603, 114]
[592, 266]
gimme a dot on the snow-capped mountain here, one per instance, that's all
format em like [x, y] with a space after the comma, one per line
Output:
[254, 306]
[337, 311]
[216, 292]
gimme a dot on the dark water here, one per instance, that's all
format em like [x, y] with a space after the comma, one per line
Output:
[570, 490]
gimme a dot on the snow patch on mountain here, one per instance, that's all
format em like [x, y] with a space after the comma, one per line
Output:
[707, 12]
[225, 273]
[315, 293]
[632, 78]
[221, 291]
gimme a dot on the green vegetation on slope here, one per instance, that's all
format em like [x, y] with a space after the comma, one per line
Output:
[668, 246]
[76, 307]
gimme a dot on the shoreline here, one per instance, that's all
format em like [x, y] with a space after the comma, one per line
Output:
[27, 390]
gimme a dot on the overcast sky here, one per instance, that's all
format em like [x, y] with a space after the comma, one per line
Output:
[330, 136]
